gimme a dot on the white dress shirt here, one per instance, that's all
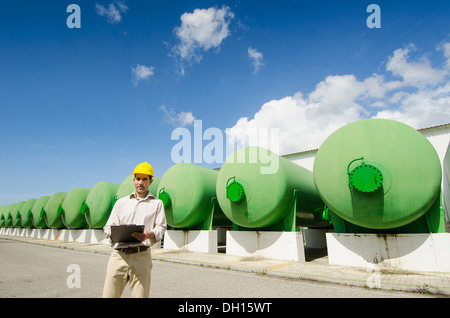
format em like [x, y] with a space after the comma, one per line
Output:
[148, 211]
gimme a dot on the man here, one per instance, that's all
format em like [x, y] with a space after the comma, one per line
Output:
[132, 262]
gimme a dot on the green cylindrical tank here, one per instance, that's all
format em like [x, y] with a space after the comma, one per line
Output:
[127, 187]
[188, 192]
[8, 215]
[378, 174]
[99, 203]
[53, 211]
[71, 214]
[446, 198]
[26, 217]
[38, 212]
[15, 213]
[259, 189]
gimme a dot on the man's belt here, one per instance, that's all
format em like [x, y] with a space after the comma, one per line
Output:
[132, 250]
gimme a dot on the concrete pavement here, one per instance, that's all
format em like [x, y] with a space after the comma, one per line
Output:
[316, 268]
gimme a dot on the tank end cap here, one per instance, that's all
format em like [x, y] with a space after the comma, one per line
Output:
[366, 178]
[235, 191]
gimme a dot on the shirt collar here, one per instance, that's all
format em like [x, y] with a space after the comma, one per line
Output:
[149, 195]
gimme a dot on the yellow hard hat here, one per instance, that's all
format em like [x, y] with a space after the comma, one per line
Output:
[144, 168]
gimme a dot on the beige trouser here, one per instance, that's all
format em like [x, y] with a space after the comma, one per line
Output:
[123, 268]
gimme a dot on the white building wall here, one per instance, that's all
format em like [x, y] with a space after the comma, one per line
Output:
[304, 159]
[439, 137]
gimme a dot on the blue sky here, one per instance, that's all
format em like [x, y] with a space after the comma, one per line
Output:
[83, 105]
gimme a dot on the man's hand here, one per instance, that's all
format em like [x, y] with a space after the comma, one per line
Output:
[144, 235]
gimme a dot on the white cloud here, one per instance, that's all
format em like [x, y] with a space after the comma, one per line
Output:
[421, 98]
[256, 58]
[416, 73]
[446, 49]
[424, 108]
[141, 72]
[122, 6]
[112, 13]
[200, 31]
[180, 119]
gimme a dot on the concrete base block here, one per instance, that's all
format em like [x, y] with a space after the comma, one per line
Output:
[63, 235]
[96, 236]
[25, 232]
[416, 252]
[81, 236]
[51, 234]
[72, 235]
[193, 241]
[156, 245]
[93, 236]
[40, 233]
[36, 233]
[276, 245]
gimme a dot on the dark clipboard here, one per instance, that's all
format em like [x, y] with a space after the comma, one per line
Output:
[122, 233]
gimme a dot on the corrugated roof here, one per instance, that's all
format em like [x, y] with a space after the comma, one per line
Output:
[434, 127]
[300, 153]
